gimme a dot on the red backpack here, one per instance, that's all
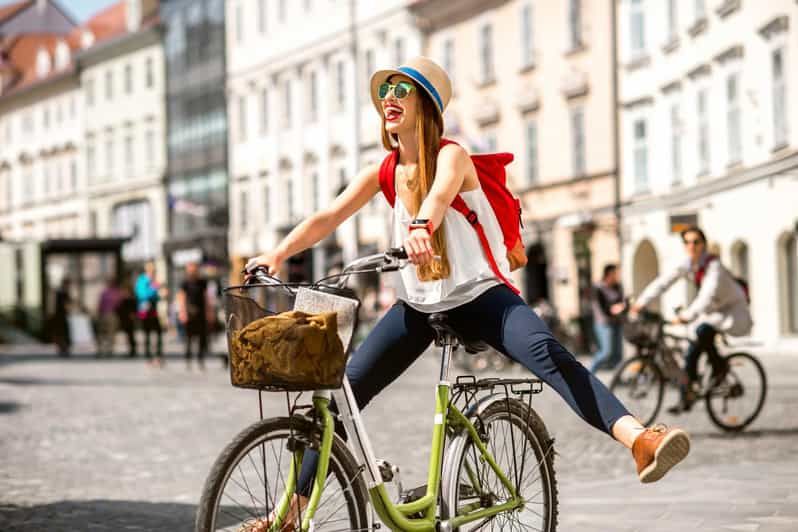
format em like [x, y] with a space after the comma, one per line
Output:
[493, 180]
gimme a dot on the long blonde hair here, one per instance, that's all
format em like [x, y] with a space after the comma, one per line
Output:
[429, 128]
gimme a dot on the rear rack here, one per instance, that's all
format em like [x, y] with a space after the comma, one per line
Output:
[466, 388]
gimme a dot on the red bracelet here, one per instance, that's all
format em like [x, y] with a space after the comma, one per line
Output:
[426, 226]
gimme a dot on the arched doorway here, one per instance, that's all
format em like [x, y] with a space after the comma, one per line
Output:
[537, 280]
[788, 282]
[645, 267]
[739, 260]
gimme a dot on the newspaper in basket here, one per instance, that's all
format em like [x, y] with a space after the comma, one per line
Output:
[274, 348]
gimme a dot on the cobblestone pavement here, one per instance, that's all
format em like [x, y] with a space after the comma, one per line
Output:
[90, 444]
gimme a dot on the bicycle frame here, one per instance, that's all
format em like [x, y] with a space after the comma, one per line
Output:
[395, 516]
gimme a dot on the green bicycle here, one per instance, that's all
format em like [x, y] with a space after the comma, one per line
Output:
[491, 464]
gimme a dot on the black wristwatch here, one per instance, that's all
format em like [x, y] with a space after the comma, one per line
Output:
[422, 223]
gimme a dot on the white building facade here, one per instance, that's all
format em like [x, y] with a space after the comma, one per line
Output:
[301, 122]
[709, 135]
[122, 85]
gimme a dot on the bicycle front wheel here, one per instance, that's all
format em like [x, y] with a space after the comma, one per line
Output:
[519, 442]
[249, 478]
[735, 402]
[640, 386]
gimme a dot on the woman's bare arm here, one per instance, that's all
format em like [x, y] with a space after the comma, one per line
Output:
[453, 164]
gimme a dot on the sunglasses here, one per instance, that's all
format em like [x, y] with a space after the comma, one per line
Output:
[693, 242]
[400, 90]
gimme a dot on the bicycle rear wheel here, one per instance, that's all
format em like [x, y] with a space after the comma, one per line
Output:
[249, 478]
[735, 403]
[521, 446]
[640, 386]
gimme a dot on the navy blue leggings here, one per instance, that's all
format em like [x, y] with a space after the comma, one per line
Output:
[500, 318]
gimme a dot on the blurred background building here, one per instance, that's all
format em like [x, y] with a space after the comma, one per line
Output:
[205, 130]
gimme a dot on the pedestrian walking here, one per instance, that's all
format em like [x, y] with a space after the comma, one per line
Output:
[195, 312]
[147, 298]
[608, 305]
[60, 319]
[108, 318]
[126, 312]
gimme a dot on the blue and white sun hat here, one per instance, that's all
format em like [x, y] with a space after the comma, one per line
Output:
[427, 75]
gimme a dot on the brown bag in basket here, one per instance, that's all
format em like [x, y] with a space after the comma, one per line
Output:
[293, 350]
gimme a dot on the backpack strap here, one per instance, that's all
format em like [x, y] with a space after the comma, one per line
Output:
[702, 270]
[388, 177]
[460, 206]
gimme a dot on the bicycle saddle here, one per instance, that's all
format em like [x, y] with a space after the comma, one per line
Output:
[439, 321]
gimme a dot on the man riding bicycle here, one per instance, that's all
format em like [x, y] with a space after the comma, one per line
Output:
[720, 306]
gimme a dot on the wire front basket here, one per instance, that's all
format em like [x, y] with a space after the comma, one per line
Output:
[288, 336]
[645, 331]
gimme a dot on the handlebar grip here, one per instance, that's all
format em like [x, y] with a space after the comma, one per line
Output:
[397, 253]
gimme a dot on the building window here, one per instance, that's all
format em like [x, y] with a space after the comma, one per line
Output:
[59, 115]
[340, 84]
[89, 92]
[72, 107]
[149, 145]
[703, 131]
[287, 108]
[281, 10]
[262, 14]
[46, 116]
[531, 152]
[448, 57]
[578, 140]
[91, 163]
[289, 198]
[243, 209]
[637, 28]
[149, 73]
[676, 145]
[575, 23]
[109, 158]
[242, 118]
[267, 204]
[316, 191]
[129, 153]
[239, 22]
[264, 110]
[308, 5]
[790, 283]
[780, 127]
[109, 84]
[486, 53]
[700, 9]
[640, 156]
[128, 79]
[673, 20]
[399, 51]
[527, 40]
[733, 126]
[73, 174]
[369, 67]
[313, 100]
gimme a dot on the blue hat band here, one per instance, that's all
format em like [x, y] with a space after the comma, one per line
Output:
[418, 76]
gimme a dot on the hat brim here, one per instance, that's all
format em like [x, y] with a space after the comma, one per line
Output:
[381, 76]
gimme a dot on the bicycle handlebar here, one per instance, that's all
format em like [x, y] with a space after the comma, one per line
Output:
[389, 261]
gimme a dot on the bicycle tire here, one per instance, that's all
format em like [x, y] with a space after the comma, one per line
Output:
[342, 466]
[522, 417]
[716, 417]
[644, 371]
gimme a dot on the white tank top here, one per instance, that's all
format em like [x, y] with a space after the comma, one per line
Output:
[470, 272]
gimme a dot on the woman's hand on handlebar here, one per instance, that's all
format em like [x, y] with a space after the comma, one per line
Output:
[418, 246]
[269, 261]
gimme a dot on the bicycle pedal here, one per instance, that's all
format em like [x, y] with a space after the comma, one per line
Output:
[387, 470]
[414, 494]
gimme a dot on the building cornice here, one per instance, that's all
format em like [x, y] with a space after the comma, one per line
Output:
[119, 46]
[775, 26]
[433, 15]
[706, 188]
[734, 52]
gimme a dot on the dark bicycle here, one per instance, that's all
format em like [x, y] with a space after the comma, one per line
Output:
[734, 398]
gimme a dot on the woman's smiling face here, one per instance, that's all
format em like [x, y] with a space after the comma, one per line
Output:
[400, 114]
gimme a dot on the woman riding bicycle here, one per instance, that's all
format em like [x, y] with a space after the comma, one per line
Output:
[450, 272]
[720, 306]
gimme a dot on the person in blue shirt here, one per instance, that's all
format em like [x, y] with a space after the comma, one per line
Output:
[147, 298]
